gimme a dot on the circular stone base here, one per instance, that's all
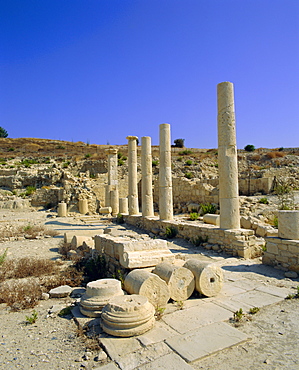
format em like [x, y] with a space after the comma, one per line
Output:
[127, 316]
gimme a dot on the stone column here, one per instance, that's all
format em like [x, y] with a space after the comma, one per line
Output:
[123, 206]
[62, 209]
[165, 179]
[112, 166]
[114, 202]
[146, 171]
[83, 206]
[132, 175]
[227, 158]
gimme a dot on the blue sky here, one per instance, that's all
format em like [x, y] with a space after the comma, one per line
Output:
[99, 70]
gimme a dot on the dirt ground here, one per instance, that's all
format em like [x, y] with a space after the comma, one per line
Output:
[52, 342]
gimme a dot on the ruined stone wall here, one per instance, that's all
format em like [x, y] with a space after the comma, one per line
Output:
[241, 242]
[282, 253]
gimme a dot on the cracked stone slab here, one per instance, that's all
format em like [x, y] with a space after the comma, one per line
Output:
[195, 317]
[171, 361]
[206, 340]
[228, 290]
[143, 356]
[231, 304]
[273, 290]
[159, 333]
[255, 298]
[110, 366]
[118, 347]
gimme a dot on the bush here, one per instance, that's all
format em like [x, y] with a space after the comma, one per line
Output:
[119, 155]
[30, 190]
[208, 208]
[179, 143]
[249, 148]
[194, 216]
[264, 200]
[155, 163]
[185, 152]
[189, 175]
[189, 162]
[180, 159]
[120, 162]
[170, 232]
[3, 132]
[120, 219]
[87, 155]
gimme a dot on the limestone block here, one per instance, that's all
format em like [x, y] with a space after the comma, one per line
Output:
[127, 316]
[98, 294]
[145, 258]
[180, 280]
[208, 277]
[123, 206]
[68, 236]
[149, 285]
[83, 206]
[62, 209]
[105, 210]
[245, 222]
[78, 240]
[60, 291]
[211, 219]
[288, 225]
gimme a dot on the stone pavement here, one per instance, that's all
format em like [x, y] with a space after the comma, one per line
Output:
[202, 327]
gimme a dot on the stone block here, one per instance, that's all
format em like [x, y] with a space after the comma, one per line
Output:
[271, 248]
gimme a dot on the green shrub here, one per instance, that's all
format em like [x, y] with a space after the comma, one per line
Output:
[124, 158]
[179, 143]
[199, 240]
[194, 216]
[189, 162]
[180, 159]
[11, 149]
[185, 152]
[208, 208]
[87, 155]
[119, 155]
[155, 163]
[249, 148]
[264, 200]
[60, 147]
[66, 164]
[30, 190]
[189, 175]
[120, 218]
[120, 162]
[171, 232]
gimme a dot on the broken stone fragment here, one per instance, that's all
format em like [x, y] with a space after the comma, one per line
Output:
[61, 291]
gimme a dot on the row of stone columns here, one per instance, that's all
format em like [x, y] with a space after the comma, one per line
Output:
[227, 164]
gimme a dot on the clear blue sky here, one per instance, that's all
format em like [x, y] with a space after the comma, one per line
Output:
[99, 70]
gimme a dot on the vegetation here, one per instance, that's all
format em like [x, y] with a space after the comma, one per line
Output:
[264, 200]
[185, 152]
[193, 216]
[285, 194]
[155, 163]
[188, 162]
[238, 315]
[208, 208]
[199, 240]
[3, 132]
[249, 148]
[294, 296]
[120, 219]
[189, 175]
[120, 162]
[254, 310]
[179, 143]
[171, 232]
[31, 319]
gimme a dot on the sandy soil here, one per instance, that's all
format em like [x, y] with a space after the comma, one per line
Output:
[52, 342]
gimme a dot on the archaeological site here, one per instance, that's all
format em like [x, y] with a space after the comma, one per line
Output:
[139, 256]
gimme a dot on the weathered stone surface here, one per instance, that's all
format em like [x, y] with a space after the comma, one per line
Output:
[98, 294]
[62, 209]
[123, 206]
[61, 291]
[205, 341]
[127, 316]
[288, 225]
[149, 285]
[291, 274]
[146, 184]
[78, 240]
[132, 175]
[83, 206]
[105, 210]
[170, 361]
[180, 280]
[208, 277]
[211, 219]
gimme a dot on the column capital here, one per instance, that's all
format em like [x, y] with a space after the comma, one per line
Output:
[111, 151]
[132, 137]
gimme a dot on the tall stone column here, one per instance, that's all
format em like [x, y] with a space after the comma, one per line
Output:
[112, 175]
[227, 158]
[147, 177]
[132, 176]
[112, 166]
[165, 179]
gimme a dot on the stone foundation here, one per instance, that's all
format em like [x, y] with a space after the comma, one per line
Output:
[239, 242]
[282, 253]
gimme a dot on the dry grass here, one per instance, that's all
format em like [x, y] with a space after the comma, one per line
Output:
[27, 267]
[29, 231]
[271, 155]
[20, 294]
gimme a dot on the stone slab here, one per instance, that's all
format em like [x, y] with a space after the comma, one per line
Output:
[229, 290]
[119, 347]
[273, 290]
[255, 298]
[195, 317]
[245, 284]
[231, 305]
[110, 366]
[206, 341]
[171, 361]
[143, 356]
[159, 333]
